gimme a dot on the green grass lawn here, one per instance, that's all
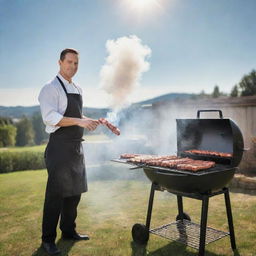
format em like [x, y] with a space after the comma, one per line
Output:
[107, 213]
[37, 148]
[41, 148]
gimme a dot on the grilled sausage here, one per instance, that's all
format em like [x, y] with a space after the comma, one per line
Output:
[110, 126]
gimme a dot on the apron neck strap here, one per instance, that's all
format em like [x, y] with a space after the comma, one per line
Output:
[63, 86]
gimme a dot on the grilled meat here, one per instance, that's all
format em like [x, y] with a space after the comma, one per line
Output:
[126, 155]
[207, 152]
[110, 126]
[170, 161]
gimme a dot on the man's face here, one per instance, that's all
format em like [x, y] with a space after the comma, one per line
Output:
[69, 65]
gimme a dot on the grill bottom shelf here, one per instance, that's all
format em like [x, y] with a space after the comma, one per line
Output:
[188, 233]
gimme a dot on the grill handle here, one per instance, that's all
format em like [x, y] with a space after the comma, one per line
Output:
[210, 110]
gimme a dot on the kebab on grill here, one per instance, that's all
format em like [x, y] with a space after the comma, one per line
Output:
[207, 152]
[110, 126]
[170, 161]
[144, 157]
[126, 155]
[196, 165]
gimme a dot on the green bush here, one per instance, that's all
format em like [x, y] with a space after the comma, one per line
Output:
[18, 161]
[25, 132]
[7, 135]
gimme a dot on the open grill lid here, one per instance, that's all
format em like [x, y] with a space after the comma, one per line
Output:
[221, 135]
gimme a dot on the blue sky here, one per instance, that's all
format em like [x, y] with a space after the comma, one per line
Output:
[195, 44]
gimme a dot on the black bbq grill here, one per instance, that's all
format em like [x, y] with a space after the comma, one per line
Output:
[221, 135]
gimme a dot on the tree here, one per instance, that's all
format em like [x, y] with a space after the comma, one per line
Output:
[248, 84]
[25, 132]
[216, 92]
[234, 91]
[202, 93]
[7, 135]
[39, 128]
[5, 121]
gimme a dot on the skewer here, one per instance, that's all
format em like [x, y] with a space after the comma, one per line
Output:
[110, 126]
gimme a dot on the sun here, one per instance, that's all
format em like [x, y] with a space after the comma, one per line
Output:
[143, 6]
[141, 12]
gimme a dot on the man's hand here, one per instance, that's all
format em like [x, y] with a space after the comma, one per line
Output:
[85, 122]
[88, 123]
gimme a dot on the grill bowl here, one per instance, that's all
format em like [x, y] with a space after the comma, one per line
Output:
[204, 182]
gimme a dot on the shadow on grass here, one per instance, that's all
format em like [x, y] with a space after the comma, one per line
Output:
[171, 249]
[243, 191]
[64, 245]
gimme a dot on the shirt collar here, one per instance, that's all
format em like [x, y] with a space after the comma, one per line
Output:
[66, 82]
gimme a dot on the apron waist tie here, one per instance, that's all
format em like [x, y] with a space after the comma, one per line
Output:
[65, 139]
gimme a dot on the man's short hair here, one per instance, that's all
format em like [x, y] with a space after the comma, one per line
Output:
[67, 50]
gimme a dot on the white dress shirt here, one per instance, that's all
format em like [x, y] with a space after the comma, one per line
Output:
[53, 101]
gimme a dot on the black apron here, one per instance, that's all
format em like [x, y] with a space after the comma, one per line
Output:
[64, 154]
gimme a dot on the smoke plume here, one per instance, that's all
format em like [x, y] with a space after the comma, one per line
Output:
[125, 63]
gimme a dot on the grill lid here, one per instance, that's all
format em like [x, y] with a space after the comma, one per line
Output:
[221, 135]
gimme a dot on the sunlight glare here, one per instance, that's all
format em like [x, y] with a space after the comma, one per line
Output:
[141, 6]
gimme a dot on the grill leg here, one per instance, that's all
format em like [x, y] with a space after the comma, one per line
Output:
[230, 219]
[150, 205]
[180, 206]
[204, 214]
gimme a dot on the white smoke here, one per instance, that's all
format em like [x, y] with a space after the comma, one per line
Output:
[125, 63]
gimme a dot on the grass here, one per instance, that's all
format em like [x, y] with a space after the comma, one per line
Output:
[37, 148]
[107, 213]
[41, 148]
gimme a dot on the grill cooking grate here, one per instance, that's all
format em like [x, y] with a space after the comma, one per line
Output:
[217, 168]
[187, 233]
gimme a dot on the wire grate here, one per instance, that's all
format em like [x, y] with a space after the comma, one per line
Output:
[188, 233]
[215, 169]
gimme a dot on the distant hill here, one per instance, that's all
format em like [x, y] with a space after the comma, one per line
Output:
[168, 97]
[19, 111]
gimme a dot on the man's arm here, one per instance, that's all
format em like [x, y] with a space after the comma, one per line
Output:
[48, 99]
[84, 122]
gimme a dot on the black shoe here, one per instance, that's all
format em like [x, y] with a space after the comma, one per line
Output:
[51, 248]
[75, 236]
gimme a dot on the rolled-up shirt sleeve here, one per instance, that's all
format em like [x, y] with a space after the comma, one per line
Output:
[48, 99]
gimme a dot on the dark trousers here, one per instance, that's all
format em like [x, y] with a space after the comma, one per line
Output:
[56, 207]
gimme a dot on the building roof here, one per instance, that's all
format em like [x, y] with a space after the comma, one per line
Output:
[244, 101]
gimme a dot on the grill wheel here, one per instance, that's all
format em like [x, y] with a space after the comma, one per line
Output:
[140, 233]
[185, 217]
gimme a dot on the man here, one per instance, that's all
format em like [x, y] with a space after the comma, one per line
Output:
[61, 108]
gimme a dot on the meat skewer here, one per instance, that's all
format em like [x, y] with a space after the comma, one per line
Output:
[127, 155]
[110, 126]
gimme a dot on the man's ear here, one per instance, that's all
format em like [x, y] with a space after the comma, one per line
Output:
[59, 62]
